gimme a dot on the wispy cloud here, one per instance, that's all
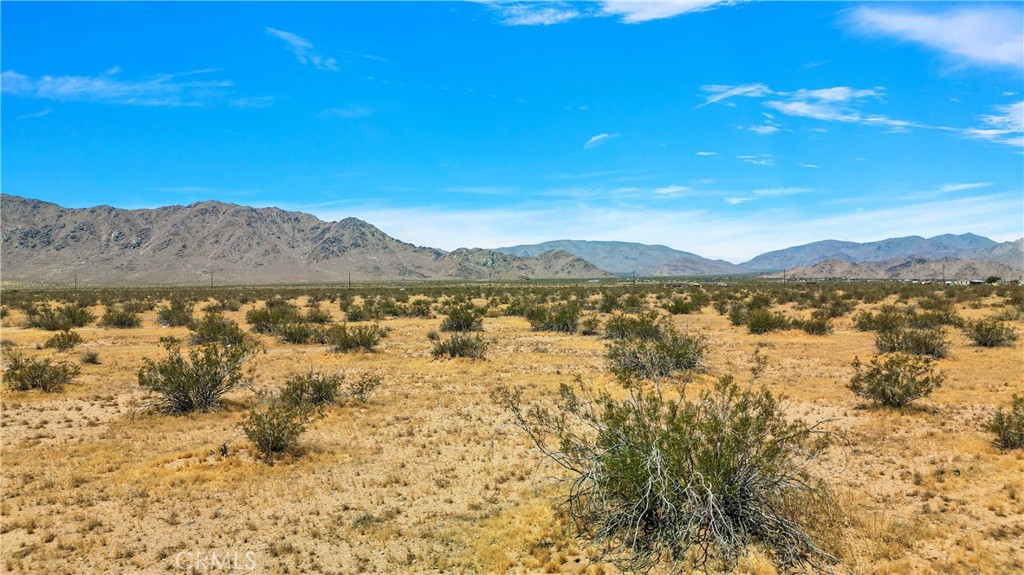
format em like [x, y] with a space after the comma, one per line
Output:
[758, 160]
[765, 192]
[962, 187]
[537, 13]
[1006, 126]
[671, 190]
[707, 153]
[634, 11]
[599, 140]
[766, 129]
[985, 35]
[720, 93]
[482, 190]
[159, 90]
[304, 50]
[38, 114]
[735, 201]
[349, 112]
[811, 166]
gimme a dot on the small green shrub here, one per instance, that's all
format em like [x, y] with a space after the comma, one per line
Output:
[315, 315]
[990, 332]
[814, 326]
[120, 318]
[91, 357]
[1008, 426]
[301, 333]
[462, 318]
[274, 313]
[760, 321]
[563, 317]
[63, 341]
[461, 345]
[215, 328]
[678, 306]
[362, 388]
[590, 326]
[24, 373]
[276, 427]
[896, 380]
[644, 326]
[652, 359]
[312, 388]
[177, 314]
[930, 342]
[58, 319]
[344, 338]
[888, 318]
[196, 382]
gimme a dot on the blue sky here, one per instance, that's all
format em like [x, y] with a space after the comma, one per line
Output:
[721, 128]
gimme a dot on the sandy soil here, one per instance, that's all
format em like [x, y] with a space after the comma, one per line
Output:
[425, 477]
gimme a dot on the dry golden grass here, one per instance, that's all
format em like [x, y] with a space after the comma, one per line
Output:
[425, 478]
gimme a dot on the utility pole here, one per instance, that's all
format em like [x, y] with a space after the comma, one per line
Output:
[76, 282]
[211, 279]
[350, 280]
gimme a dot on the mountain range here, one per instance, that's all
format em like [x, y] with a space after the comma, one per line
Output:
[43, 243]
[46, 243]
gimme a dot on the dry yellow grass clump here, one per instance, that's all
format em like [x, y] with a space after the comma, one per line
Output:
[426, 476]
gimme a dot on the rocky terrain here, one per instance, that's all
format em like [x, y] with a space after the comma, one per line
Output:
[44, 243]
[955, 269]
[629, 257]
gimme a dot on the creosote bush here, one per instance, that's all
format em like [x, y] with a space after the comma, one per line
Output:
[90, 357]
[196, 382]
[931, 342]
[895, 380]
[24, 373]
[650, 359]
[344, 338]
[563, 317]
[362, 388]
[644, 326]
[461, 345]
[686, 481]
[215, 328]
[275, 427]
[1008, 426]
[990, 332]
[312, 388]
[121, 318]
[462, 318]
[176, 314]
[63, 341]
[761, 320]
[61, 318]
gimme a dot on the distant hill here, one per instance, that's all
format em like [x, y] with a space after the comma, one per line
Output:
[627, 257]
[906, 269]
[46, 243]
[965, 246]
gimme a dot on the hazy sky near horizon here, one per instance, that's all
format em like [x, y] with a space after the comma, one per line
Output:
[721, 128]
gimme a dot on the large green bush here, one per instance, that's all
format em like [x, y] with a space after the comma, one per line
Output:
[990, 332]
[25, 373]
[195, 382]
[931, 342]
[895, 380]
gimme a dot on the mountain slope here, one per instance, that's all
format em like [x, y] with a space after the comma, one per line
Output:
[906, 269]
[43, 242]
[938, 247]
[628, 257]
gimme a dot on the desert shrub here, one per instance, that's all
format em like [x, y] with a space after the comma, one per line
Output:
[90, 357]
[275, 427]
[761, 320]
[215, 328]
[362, 388]
[63, 340]
[274, 313]
[317, 316]
[834, 308]
[1008, 426]
[4, 312]
[301, 333]
[678, 306]
[609, 303]
[58, 319]
[814, 326]
[419, 308]
[689, 480]
[312, 388]
[990, 332]
[176, 314]
[462, 318]
[562, 317]
[120, 318]
[196, 382]
[888, 318]
[221, 305]
[652, 359]
[644, 326]
[590, 326]
[934, 318]
[931, 342]
[343, 338]
[461, 345]
[895, 380]
[24, 373]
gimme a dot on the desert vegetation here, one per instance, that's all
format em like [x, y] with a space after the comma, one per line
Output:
[750, 427]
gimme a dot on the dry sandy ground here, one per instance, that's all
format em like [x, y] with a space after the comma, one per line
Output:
[425, 478]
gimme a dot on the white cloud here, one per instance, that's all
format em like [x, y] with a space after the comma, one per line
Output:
[670, 190]
[758, 160]
[349, 112]
[159, 90]
[764, 130]
[598, 140]
[737, 201]
[1006, 126]
[811, 166]
[764, 192]
[537, 14]
[634, 11]
[984, 35]
[707, 153]
[38, 114]
[720, 93]
[304, 50]
[962, 187]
